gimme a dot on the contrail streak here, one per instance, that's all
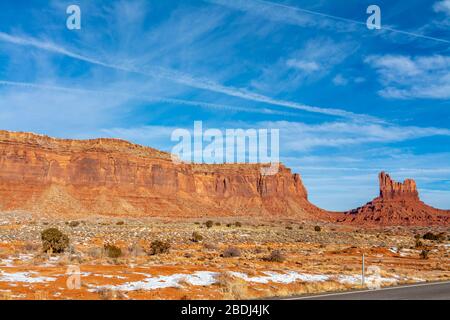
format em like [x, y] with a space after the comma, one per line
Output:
[185, 79]
[146, 98]
[328, 16]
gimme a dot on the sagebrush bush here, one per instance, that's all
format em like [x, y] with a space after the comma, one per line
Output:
[275, 256]
[196, 237]
[430, 236]
[112, 251]
[209, 224]
[424, 254]
[418, 244]
[120, 223]
[238, 224]
[74, 224]
[159, 247]
[317, 229]
[231, 252]
[54, 241]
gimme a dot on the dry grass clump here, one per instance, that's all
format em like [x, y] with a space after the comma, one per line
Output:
[159, 247]
[424, 254]
[232, 288]
[275, 256]
[112, 251]
[231, 252]
[109, 294]
[209, 224]
[196, 237]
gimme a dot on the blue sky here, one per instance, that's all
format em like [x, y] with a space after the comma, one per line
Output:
[349, 101]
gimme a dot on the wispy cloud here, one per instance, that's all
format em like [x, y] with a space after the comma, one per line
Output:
[318, 57]
[442, 6]
[406, 77]
[302, 136]
[182, 78]
[302, 17]
[144, 97]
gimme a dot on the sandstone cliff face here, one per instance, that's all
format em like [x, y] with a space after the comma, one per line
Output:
[397, 204]
[113, 177]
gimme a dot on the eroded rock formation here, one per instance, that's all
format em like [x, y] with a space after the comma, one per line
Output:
[397, 204]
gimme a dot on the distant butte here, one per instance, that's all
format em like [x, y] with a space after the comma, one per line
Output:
[43, 175]
[397, 204]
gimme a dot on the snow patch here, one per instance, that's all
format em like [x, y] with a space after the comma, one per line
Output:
[23, 277]
[199, 278]
[289, 277]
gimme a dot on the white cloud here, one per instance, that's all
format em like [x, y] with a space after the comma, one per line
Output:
[339, 80]
[442, 6]
[303, 137]
[405, 77]
[306, 66]
[315, 60]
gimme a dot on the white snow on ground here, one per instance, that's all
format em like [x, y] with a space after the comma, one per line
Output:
[393, 250]
[205, 278]
[289, 277]
[6, 262]
[23, 277]
[199, 278]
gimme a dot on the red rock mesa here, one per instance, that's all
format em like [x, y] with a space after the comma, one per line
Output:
[40, 174]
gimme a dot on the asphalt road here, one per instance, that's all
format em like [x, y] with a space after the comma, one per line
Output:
[422, 291]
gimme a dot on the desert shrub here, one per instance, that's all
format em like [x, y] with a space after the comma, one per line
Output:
[317, 229]
[231, 252]
[196, 237]
[112, 251]
[209, 224]
[238, 224]
[430, 236]
[159, 247]
[300, 227]
[417, 236]
[424, 254]
[54, 241]
[120, 223]
[229, 225]
[275, 256]
[74, 224]
[418, 244]
[197, 223]
[218, 224]
[288, 227]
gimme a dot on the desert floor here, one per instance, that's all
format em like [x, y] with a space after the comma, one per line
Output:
[236, 259]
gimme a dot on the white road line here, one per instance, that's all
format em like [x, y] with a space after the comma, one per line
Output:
[362, 291]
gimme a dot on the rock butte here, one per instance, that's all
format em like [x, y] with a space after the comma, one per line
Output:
[397, 204]
[44, 175]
